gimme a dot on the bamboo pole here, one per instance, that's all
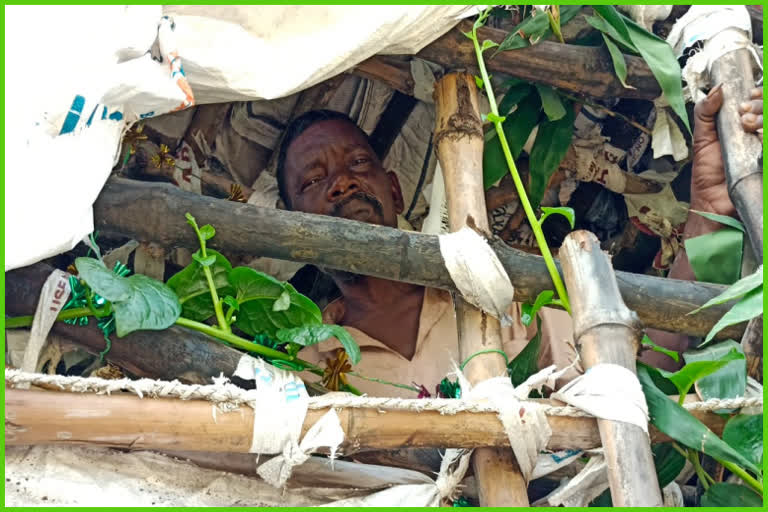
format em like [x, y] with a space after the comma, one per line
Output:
[153, 211]
[740, 149]
[459, 148]
[607, 332]
[127, 421]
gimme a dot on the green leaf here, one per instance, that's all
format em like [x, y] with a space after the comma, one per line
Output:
[312, 334]
[750, 306]
[526, 363]
[257, 293]
[744, 433]
[207, 232]
[205, 262]
[513, 96]
[102, 280]
[549, 149]
[672, 419]
[684, 378]
[728, 382]
[565, 211]
[604, 27]
[724, 494]
[722, 219]
[528, 311]
[517, 128]
[668, 461]
[656, 348]
[469, 35]
[613, 25]
[619, 64]
[151, 306]
[736, 290]
[191, 286]
[283, 302]
[190, 219]
[488, 44]
[716, 257]
[534, 27]
[551, 102]
[232, 302]
[478, 82]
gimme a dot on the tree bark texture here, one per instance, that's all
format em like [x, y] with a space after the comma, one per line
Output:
[155, 212]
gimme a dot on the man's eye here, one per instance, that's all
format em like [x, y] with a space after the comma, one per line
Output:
[310, 182]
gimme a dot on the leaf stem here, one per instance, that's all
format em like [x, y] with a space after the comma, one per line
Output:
[382, 381]
[532, 220]
[741, 473]
[703, 475]
[26, 321]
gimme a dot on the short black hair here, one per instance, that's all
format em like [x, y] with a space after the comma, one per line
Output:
[296, 128]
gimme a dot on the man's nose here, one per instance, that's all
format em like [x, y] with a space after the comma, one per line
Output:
[343, 186]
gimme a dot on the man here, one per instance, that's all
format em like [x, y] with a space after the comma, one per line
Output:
[407, 333]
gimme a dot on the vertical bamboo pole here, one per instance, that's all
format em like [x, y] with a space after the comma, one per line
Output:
[459, 147]
[606, 331]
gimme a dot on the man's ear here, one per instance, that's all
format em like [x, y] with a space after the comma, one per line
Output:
[397, 193]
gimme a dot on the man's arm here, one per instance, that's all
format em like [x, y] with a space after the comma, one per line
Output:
[709, 193]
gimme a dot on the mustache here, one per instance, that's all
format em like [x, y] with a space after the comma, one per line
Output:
[362, 196]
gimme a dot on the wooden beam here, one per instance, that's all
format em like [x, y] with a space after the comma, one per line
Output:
[459, 148]
[579, 69]
[151, 211]
[607, 332]
[127, 421]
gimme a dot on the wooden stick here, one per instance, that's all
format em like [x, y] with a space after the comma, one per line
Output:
[459, 148]
[151, 211]
[578, 69]
[740, 149]
[607, 332]
[127, 421]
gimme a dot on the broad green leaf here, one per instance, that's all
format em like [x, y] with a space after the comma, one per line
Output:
[661, 59]
[257, 293]
[565, 211]
[723, 494]
[728, 382]
[750, 306]
[313, 334]
[488, 44]
[619, 64]
[526, 363]
[494, 118]
[722, 219]
[478, 82]
[744, 433]
[528, 311]
[551, 103]
[736, 290]
[283, 302]
[656, 348]
[191, 286]
[605, 28]
[469, 35]
[102, 280]
[668, 461]
[207, 232]
[684, 378]
[549, 149]
[716, 257]
[208, 261]
[613, 25]
[517, 129]
[513, 96]
[151, 306]
[672, 419]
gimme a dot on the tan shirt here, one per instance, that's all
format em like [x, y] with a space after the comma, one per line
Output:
[437, 347]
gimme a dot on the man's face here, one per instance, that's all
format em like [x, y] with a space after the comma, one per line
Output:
[330, 169]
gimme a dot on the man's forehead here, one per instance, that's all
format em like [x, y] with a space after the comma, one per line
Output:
[336, 132]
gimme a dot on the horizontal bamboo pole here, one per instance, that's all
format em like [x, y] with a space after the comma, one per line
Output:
[127, 421]
[155, 212]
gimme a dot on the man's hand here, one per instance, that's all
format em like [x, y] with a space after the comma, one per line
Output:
[752, 113]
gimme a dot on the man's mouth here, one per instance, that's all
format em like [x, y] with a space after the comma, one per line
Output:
[360, 206]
